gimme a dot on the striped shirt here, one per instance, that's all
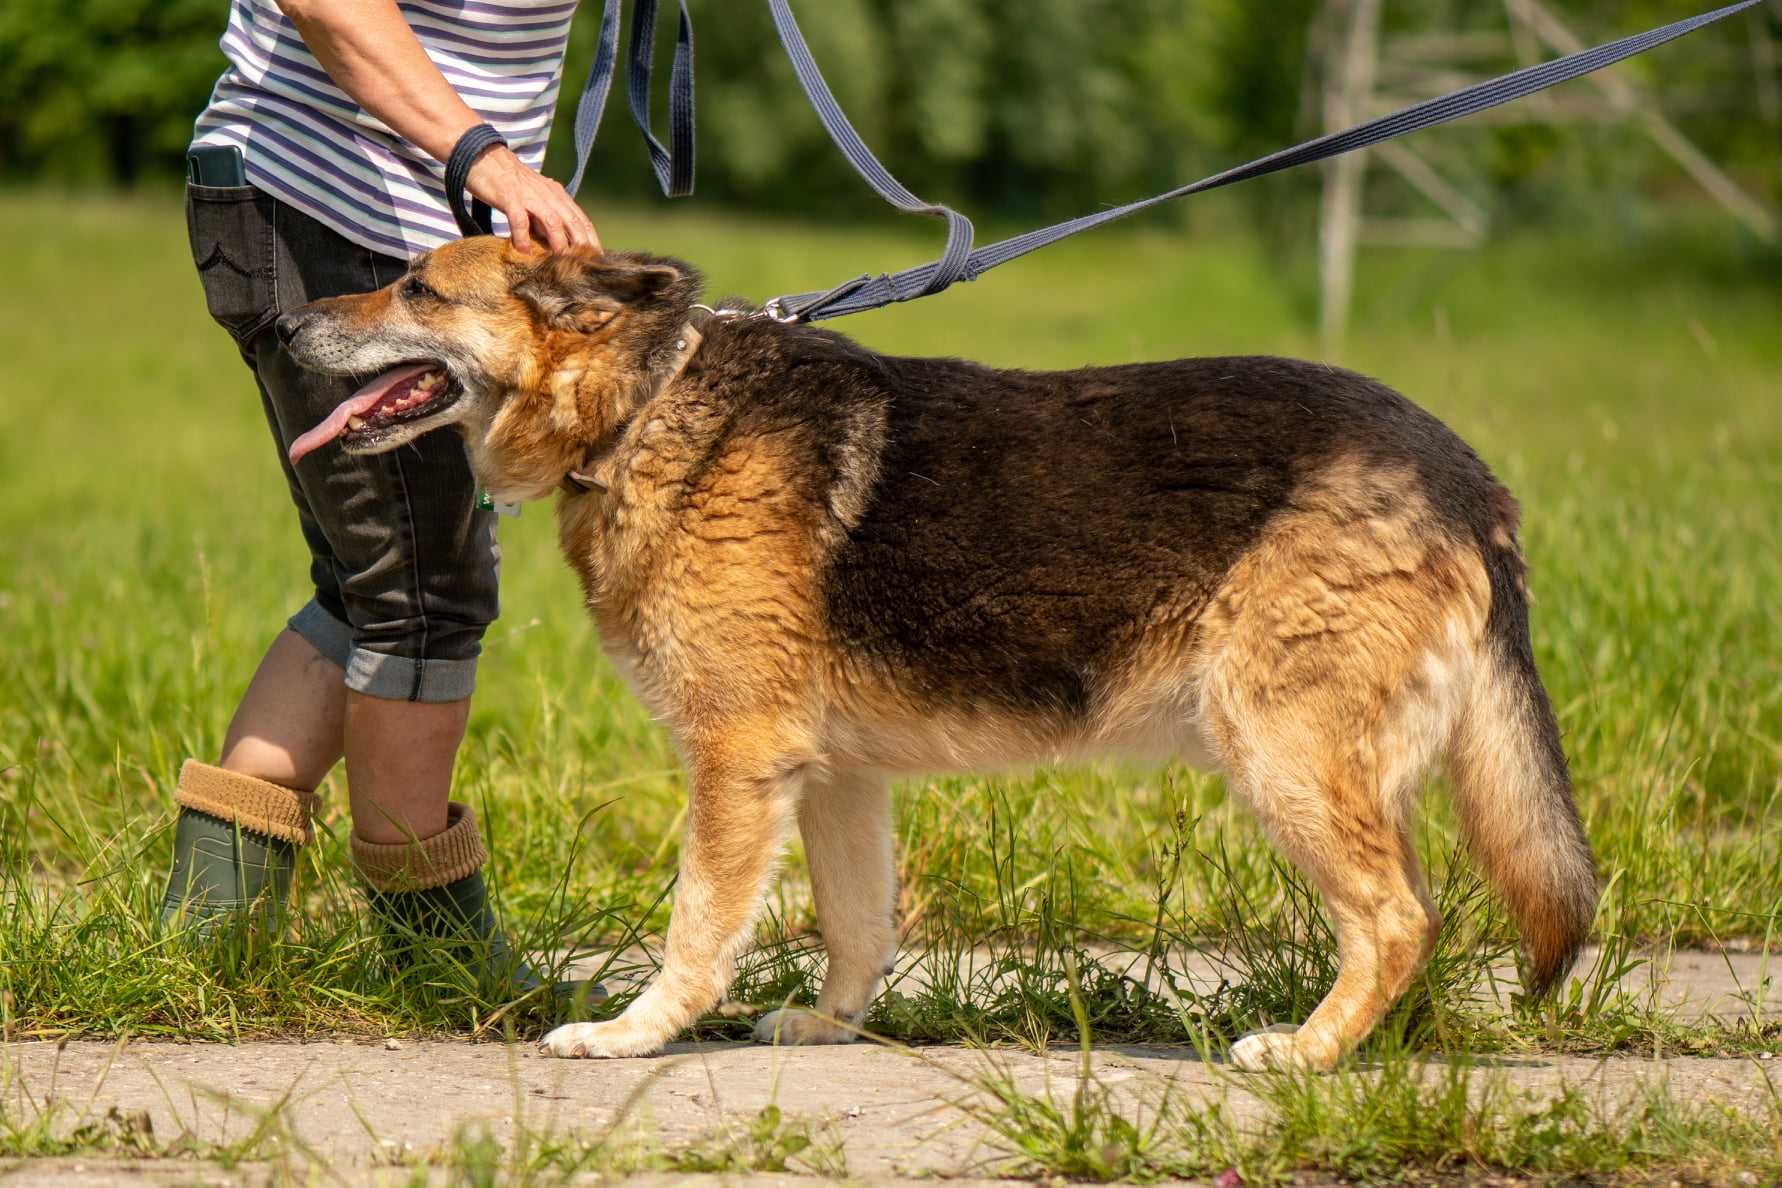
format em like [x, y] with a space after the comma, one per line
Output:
[306, 143]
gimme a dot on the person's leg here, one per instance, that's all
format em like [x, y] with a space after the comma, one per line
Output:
[399, 757]
[241, 821]
[298, 717]
[406, 584]
[288, 728]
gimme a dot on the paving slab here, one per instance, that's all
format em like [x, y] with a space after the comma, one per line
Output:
[369, 1110]
[895, 1113]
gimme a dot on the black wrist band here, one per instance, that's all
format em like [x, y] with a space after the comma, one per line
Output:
[474, 219]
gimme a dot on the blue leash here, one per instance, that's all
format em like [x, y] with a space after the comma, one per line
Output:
[959, 260]
[673, 165]
[867, 292]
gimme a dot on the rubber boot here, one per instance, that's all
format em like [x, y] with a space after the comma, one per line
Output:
[434, 888]
[234, 847]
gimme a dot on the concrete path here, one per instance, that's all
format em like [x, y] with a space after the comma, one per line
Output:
[357, 1106]
[353, 1106]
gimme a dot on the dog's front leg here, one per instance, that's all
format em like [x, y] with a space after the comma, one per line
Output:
[745, 785]
[846, 821]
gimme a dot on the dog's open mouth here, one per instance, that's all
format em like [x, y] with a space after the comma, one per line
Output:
[398, 397]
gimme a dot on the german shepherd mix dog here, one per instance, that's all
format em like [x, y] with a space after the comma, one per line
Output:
[823, 567]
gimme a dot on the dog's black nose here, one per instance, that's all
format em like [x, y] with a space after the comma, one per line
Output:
[288, 326]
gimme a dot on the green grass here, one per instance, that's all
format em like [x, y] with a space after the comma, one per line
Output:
[1400, 1121]
[1630, 393]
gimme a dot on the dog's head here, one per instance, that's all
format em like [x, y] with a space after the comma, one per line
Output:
[534, 357]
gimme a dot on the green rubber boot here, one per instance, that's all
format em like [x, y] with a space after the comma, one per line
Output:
[221, 870]
[234, 847]
[456, 911]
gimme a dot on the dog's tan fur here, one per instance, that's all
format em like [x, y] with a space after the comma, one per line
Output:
[1358, 633]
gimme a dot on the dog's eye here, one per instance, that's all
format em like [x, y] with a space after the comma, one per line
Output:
[416, 289]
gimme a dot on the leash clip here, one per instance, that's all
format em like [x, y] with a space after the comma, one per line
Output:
[776, 311]
[776, 306]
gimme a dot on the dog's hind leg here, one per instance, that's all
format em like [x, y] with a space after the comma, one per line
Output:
[1367, 872]
[1334, 677]
[1332, 772]
[846, 822]
[744, 786]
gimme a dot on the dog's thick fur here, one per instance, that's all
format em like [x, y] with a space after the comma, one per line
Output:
[823, 567]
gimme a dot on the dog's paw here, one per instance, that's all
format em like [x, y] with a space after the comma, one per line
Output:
[794, 1026]
[1271, 1049]
[598, 1040]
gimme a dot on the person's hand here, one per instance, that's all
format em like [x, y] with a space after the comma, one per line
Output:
[537, 208]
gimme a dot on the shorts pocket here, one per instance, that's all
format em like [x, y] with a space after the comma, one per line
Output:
[230, 228]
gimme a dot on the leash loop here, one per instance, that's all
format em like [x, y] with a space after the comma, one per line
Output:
[673, 165]
[955, 257]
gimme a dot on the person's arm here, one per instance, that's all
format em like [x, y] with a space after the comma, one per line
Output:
[370, 52]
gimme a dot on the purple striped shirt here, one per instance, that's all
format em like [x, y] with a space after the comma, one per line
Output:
[307, 143]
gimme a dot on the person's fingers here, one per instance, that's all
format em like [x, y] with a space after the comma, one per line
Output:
[550, 227]
[519, 227]
[582, 227]
[575, 222]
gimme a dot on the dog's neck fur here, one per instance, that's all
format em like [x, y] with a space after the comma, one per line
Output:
[668, 359]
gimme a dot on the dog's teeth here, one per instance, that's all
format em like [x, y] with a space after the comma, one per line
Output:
[355, 422]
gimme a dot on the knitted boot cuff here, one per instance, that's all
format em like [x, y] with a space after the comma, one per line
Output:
[254, 804]
[427, 863]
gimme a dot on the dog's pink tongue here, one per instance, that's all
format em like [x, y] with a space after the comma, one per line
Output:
[358, 404]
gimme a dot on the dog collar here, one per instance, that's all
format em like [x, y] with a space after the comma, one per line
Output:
[582, 479]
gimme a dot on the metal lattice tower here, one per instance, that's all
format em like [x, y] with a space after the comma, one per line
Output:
[1365, 75]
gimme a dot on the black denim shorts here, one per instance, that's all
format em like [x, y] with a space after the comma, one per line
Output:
[403, 562]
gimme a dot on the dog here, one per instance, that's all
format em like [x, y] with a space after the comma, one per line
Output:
[824, 567]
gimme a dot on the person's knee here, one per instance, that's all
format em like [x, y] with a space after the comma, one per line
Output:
[419, 658]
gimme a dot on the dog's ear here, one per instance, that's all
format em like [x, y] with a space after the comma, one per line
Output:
[581, 291]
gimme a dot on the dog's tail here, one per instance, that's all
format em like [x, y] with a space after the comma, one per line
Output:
[1512, 788]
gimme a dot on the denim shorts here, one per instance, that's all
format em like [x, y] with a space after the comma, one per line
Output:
[403, 563]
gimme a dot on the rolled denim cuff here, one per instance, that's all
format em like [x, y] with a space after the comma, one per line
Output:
[404, 678]
[325, 633]
[378, 674]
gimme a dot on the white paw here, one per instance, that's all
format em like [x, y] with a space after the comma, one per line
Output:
[1269, 1049]
[794, 1026]
[597, 1040]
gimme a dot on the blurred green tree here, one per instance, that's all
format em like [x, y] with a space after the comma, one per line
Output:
[1017, 109]
[103, 89]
